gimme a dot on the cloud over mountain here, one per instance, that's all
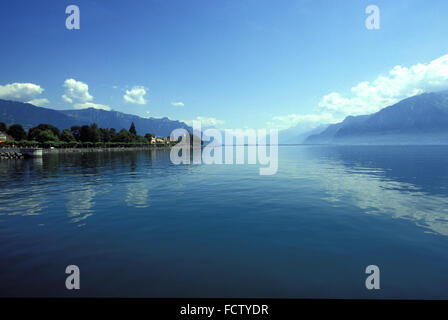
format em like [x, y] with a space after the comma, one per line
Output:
[291, 120]
[77, 93]
[76, 90]
[136, 95]
[206, 121]
[23, 92]
[368, 97]
[87, 105]
[39, 102]
[401, 82]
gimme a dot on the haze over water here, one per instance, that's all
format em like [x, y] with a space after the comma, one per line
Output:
[139, 226]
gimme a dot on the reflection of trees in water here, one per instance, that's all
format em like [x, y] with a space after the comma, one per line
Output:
[373, 190]
[102, 163]
[51, 164]
[99, 170]
[78, 178]
[19, 170]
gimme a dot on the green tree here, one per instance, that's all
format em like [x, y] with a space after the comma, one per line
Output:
[132, 129]
[3, 127]
[95, 133]
[123, 136]
[105, 135]
[35, 132]
[140, 139]
[17, 132]
[112, 133]
[76, 132]
[46, 136]
[84, 133]
[67, 136]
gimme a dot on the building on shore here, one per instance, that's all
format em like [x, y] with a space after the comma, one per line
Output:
[159, 140]
[4, 137]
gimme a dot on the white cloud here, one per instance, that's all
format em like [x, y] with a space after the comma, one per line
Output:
[177, 104]
[135, 95]
[67, 99]
[401, 82]
[291, 120]
[206, 121]
[20, 91]
[76, 91]
[86, 105]
[38, 102]
[369, 97]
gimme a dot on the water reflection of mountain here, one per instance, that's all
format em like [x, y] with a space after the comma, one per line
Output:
[404, 182]
[423, 166]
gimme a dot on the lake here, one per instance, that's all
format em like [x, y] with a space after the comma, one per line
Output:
[138, 226]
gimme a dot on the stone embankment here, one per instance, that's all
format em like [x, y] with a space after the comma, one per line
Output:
[11, 155]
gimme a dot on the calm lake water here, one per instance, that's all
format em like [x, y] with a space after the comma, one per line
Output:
[139, 226]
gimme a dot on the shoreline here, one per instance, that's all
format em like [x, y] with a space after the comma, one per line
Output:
[88, 150]
[17, 153]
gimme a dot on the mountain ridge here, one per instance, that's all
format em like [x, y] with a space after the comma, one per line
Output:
[420, 119]
[29, 116]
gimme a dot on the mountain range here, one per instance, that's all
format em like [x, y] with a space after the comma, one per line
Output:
[421, 119]
[30, 116]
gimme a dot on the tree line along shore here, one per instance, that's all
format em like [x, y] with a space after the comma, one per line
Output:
[86, 136]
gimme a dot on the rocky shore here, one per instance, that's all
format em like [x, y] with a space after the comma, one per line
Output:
[116, 149]
[11, 155]
[15, 153]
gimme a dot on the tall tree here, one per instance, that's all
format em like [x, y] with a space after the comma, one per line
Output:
[105, 135]
[76, 132]
[123, 136]
[3, 127]
[84, 133]
[17, 132]
[95, 133]
[46, 136]
[132, 129]
[35, 132]
[67, 136]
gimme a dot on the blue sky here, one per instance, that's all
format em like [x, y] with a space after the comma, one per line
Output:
[234, 64]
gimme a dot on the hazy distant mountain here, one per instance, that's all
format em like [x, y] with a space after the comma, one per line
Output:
[421, 119]
[30, 116]
[299, 133]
